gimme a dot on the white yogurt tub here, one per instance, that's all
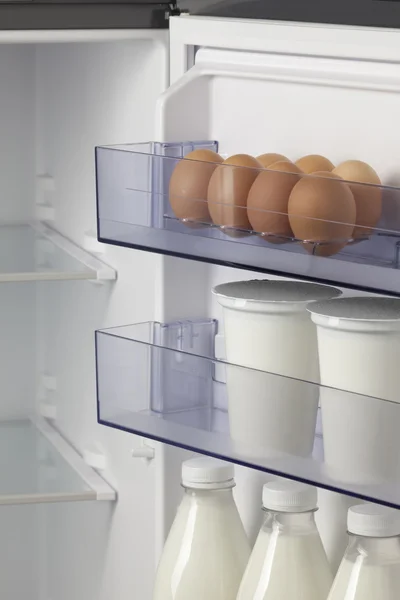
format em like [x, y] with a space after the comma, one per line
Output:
[359, 351]
[267, 327]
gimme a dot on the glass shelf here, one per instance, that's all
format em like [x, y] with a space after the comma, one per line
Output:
[38, 465]
[34, 252]
[162, 381]
[134, 210]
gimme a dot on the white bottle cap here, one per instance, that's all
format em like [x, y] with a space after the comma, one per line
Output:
[372, 520]
[289, 496]
[207, 473]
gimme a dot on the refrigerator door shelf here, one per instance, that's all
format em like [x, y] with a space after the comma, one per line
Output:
[163, 382]
[35, 252]
[39, 466]
[134, 210]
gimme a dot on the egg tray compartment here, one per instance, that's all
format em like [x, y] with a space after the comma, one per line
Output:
[134, 210]
[163, 382]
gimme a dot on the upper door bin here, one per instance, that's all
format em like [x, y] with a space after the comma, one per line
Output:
[84, 14]
[336, 220]
[277, 219]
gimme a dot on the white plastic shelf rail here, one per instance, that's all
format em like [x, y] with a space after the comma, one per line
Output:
[35, 252]
[37, 465]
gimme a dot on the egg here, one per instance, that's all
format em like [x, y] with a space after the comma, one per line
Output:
[228, 190]
[188, 185]
[269, 159]
[322, 209]
[313, 163]
[267, 202]
[368, 197]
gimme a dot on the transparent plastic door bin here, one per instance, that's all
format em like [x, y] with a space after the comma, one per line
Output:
[163, 382]
[149, 196]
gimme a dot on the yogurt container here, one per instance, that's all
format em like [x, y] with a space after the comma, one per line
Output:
[359, 351]
[268, 330]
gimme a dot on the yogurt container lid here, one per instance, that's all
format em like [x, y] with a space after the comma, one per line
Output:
[364, 312]
[207, 473]
[289, 496]
[360, 308]
[275, 291]
[372, 520]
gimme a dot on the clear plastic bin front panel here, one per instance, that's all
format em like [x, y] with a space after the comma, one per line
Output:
[162, 381]
[140, 206]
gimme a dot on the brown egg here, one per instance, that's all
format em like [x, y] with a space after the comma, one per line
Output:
[267, 202]
[322, 209]
[188, 186]
[269, 159]
[313, 163]
[368, 197]
[228, 190]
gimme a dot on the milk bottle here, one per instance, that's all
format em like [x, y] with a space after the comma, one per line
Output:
[288, 561]
[207, 550]
[370, 569]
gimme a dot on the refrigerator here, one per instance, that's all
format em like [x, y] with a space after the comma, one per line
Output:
[113, 368]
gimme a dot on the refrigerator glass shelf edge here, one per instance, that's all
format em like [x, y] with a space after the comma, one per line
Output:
[135, 210]
[163, 382]
[39, 466]
[35, 252]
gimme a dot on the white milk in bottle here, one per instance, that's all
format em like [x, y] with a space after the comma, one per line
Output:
[288, 561]
[370, 569]
[207, 549]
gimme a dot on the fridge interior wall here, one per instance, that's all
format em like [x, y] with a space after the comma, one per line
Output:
[57, 102]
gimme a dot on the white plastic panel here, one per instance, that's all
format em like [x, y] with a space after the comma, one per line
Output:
[17, 131]
[39, 554]
[86, 95]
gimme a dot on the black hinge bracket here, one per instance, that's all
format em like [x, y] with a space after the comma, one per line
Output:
[174, 10]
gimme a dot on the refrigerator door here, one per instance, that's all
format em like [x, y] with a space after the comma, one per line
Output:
[265, 86]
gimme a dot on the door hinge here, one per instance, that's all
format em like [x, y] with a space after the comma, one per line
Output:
[174, 10]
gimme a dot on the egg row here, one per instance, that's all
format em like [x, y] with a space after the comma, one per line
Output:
[324, 210]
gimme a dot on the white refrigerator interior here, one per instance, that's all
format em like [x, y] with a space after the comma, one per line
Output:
[255, 87]
[63, 93]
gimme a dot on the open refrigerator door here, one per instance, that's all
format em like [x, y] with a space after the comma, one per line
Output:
[250, 87]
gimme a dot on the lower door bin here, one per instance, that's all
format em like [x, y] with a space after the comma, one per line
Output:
[162, 381]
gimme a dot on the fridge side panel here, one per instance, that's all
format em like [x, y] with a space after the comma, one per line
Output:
[88, 94]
